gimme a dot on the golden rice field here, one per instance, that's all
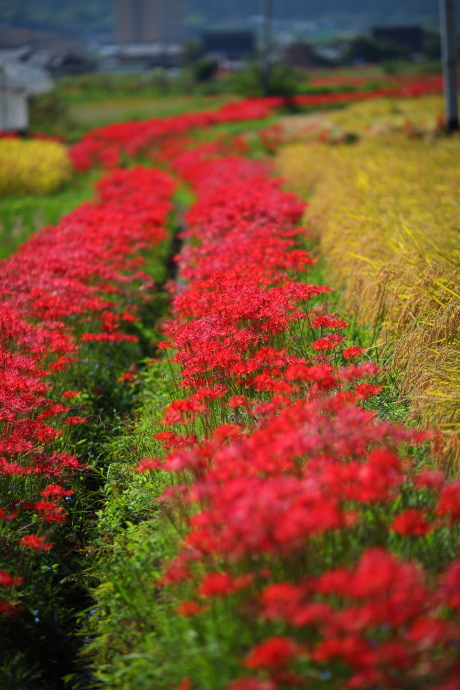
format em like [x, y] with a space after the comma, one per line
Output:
[386, 212]
[32, 166]
[379, 114]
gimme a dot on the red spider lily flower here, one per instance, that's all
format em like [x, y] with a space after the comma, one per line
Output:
[366, 390]
[74, 421]
[221, 584]
[352, 352]
[4, 515]
[411, 522]
[329, 342]
[451, 684]
[322, 375]
[185, 684]
[183, 411]
[208, 393]
[236, 401]
[429, 479]
[171, 440]
[7, 580]
[127, 377]
[56, 490]
[70, 394]
[251, 683]
[449, 502]
[450, 583]
[225, 432]
[288, 602]
[355, 372]
[36, 543]
[366, 678]
[275, 653]
[177, 571]
[328, 321]
[430, 632]
[8, 609]
[147, 464]
[299, 371]
[190, 608]
[50, 512]
[351, 649]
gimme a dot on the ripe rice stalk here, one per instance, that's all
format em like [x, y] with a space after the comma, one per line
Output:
[386, 215]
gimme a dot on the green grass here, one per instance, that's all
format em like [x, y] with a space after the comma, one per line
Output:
[99, 113]
[20, 216]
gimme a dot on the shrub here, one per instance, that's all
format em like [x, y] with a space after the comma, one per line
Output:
[284, 80]
[32, 167]
[205, 69]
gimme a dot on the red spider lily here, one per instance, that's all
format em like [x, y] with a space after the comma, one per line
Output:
[412, 521]
[59, 283]
[274, 653]
[8, 580]
[352, 352]
[295, 468]
[185, 684]
[56, 491]
[105, 145]
[449, 503]
[74, 421]
[190, 608]
[35, 543]
[8, 609]
[221, 584]
[252, 684]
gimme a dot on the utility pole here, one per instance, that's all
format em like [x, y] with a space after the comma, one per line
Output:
[266, 43]
[449, 62]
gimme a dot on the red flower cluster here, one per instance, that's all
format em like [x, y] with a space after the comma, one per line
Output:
[67, 285]
[424, 86]
[291, 476]
[107, 145]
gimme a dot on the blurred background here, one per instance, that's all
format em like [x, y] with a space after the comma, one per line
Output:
[86, 63]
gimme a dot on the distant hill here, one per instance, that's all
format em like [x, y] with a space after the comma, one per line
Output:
[83, 16]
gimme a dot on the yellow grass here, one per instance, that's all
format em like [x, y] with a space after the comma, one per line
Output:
[386, 212]
[32, 167]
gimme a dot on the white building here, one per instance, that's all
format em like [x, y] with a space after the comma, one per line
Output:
[18, 81]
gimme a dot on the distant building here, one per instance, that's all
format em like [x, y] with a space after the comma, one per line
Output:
[130, 57]
[231, 45]
[145, 21]
[411, 37]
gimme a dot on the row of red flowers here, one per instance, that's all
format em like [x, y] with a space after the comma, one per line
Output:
[108, 145]
[297, 503]
[71, 284]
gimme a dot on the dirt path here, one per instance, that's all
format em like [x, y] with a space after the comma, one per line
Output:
[293, 124]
